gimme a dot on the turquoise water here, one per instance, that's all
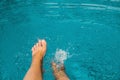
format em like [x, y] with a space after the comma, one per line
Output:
[88, 30]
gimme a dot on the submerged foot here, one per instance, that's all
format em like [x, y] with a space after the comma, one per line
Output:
[59, 73]
[38, 50]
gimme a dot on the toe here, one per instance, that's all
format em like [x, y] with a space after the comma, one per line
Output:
[43, 43]
[40, 43]
[33, 48]
[37, 45]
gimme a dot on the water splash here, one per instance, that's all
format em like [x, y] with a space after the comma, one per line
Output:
[60, 57]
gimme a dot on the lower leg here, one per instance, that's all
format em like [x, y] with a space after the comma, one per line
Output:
[34, 72]
[59, 73]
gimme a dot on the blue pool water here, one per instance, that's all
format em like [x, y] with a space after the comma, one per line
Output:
[89, 30]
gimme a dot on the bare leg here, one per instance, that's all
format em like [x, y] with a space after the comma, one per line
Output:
[59, 73]
[35, 70]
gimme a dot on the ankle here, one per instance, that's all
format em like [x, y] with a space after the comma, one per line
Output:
[36, 62]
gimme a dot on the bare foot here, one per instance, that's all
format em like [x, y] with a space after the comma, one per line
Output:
[35, 70]
[38, 50]
[59, 73]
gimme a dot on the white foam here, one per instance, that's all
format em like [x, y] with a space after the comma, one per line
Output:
[100, 7]
[115, 0]
[60, 57]
[95, 5]
[53, 6]
[51, 3]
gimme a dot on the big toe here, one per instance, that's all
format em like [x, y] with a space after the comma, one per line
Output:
[43, 43]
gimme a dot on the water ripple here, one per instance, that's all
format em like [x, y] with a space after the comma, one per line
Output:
[100, 7]
[82, 5]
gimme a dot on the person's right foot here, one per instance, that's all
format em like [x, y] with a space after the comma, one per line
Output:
[59, 73]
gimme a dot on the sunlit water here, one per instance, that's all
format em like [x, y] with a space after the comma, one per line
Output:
[86, 32]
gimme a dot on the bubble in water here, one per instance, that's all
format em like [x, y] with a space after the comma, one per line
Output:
[60, 57]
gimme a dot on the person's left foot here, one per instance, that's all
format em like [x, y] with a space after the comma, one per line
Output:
[38, 50]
